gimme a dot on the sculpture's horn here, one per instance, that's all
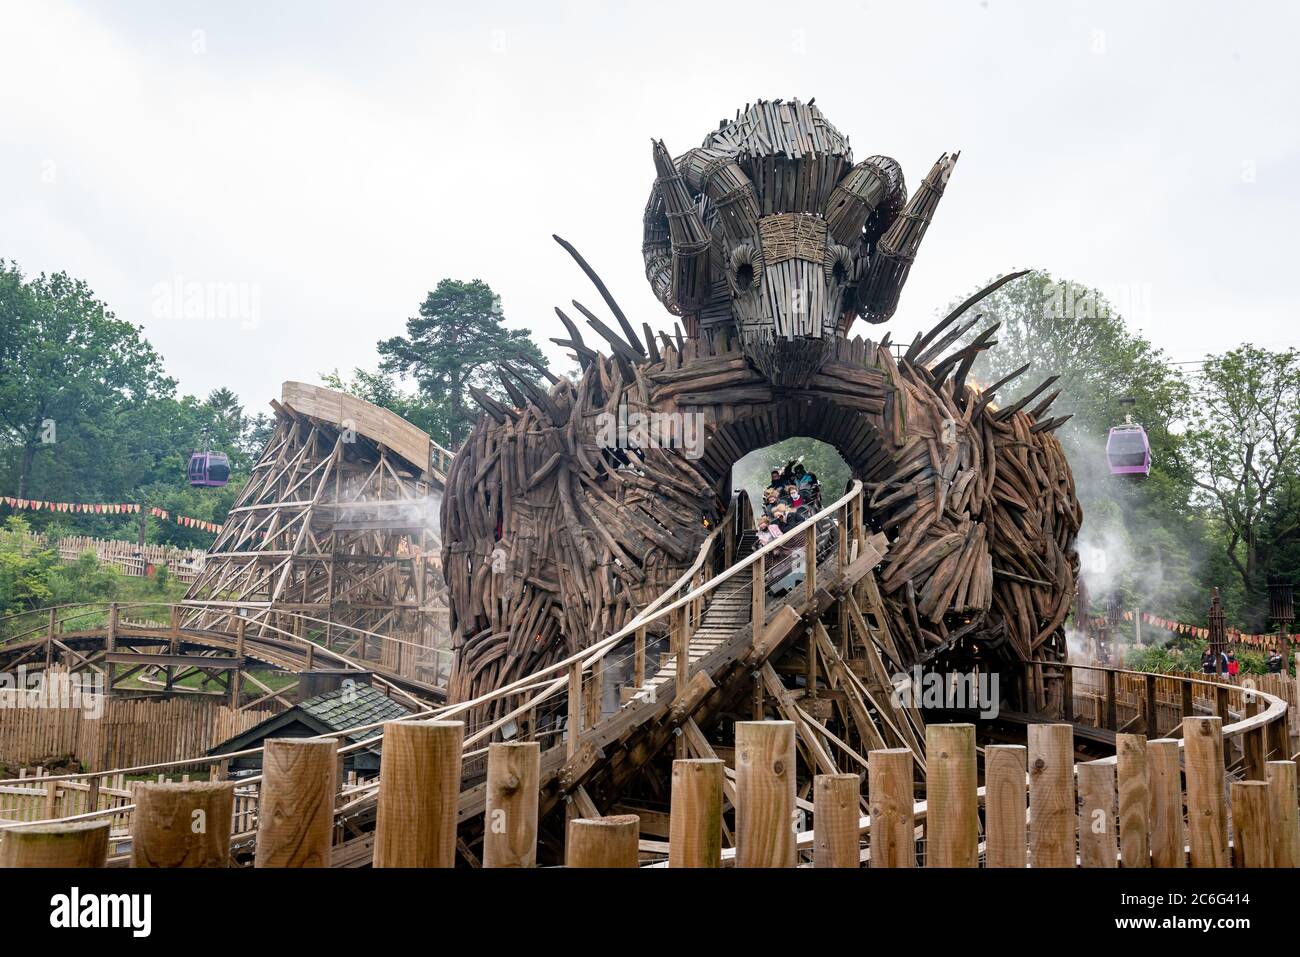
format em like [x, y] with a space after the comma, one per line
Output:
[879, 290]
[874, 184]
[687, 235]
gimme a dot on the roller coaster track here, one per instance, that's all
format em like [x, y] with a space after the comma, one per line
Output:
[589, 754]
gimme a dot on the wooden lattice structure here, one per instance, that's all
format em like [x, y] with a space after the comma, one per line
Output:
[337, 525]
[767, 241]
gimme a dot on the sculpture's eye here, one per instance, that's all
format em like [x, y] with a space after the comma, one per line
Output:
[839, 259]
[744, 267]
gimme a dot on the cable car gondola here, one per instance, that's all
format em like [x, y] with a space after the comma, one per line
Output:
[1128, 451]
[208, 469]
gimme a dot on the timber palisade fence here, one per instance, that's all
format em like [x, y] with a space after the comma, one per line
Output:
[130, 558]
[1037, 807]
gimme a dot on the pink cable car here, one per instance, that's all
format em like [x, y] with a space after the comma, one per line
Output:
[208, 469]
[1128, 451]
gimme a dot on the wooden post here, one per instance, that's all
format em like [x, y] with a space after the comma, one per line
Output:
[758, 613]
[295, 821]
[1282, 813]
[1152, 721]
[1207, 818]
[695, 819]
[79, 844]
[893, 820]
[1051, 795]
[951, 786]
[681, 653]
[1004, 805]
[603, 841]
[510, 818]
[1112, 721]
[638, 675]
[596, 696]
[1098, 846]
[51, 800]
[765, 783]
[835, 820]
[1189, 707]
[573, 728]
[1252, 836]
[419, 789]
[810, 559]
[49, 637]
[1134, 799]
[182, 825]
[1165, 782]
[1067, 694]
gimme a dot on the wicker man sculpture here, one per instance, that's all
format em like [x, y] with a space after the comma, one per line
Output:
[767, 241]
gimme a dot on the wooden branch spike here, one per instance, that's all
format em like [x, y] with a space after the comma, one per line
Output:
[1009, 411]
[987, 395]
[923, 341]
[542, 370]
[615, 341]
[491, 406]
[604, 292]
[516, 396]
[934, 351]
[1051, 425]
[1037, 411]
[652, 347]
[585, 355]
[538, 396]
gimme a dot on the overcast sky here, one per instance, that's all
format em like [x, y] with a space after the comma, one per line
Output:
[329, 162]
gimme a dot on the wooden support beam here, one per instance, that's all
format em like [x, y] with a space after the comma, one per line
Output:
[695, 822]
[78, 844]
[1134, 798]
[952, 816]
[419, 789]
[603, 842]
[835, 820]
[1051, 795]
[510, 817]
[765, 793]
[182, 824]
[1283, 823]
[1165, 780]
[893, 822]
[295, 821]
[1004, 805]
[1252, 836]
[1098, 840]
[1207, 818]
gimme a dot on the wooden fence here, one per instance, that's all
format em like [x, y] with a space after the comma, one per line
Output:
[129, 557]
[113, 732]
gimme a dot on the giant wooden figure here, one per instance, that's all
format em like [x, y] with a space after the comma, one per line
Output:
[767, 241]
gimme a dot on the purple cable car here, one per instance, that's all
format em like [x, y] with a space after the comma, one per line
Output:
[209, 469]
[1128, 451]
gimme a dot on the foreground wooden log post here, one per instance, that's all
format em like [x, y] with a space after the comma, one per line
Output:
[1004, 803]
[695, 818]
[951, 790]
[1164, 777]
[1207, 818]
[603, 841]
[1252, 835]
[1134, 799]
[419, 788]
[295, 820]
[765, 804]
[79, 844]
[892, 835]
[1282, 813]
[1051, 795]
[835, 820]
[510, 819]
[1098, 842]
[182, 825]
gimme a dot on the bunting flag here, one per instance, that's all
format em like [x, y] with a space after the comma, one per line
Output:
[1234, 635]
[108, 508]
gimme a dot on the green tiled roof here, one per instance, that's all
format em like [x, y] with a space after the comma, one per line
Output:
[350, 706]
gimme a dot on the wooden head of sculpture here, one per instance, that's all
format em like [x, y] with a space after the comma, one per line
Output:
[769, 232]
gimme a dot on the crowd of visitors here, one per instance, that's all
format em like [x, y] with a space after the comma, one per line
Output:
[792, 496]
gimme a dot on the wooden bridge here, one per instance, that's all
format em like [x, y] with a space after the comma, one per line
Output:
[619, 731]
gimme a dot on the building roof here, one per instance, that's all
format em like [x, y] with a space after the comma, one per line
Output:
[330, 713]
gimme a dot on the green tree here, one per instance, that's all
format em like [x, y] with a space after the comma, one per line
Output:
[1243, 440]
[1141, 539]
[67, 367]
[455, 342]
